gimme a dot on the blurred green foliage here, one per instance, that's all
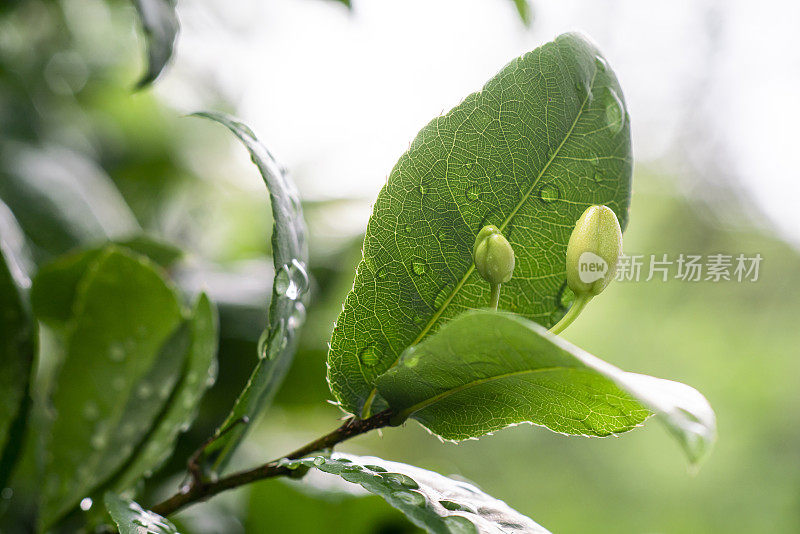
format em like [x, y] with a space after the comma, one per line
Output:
[66, 69]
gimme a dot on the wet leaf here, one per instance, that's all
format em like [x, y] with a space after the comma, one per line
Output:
[487, 370]
[183, 403]
[160, 26]
[123, 332]
[544, 139]
[17, 334]
[289, 290]
[131, 518]
[431, 501]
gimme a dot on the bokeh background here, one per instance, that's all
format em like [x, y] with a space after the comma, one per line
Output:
[338, 94]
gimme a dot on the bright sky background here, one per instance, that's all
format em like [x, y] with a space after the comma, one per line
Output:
[712, 85]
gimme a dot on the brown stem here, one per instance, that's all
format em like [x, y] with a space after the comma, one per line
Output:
[202, 490]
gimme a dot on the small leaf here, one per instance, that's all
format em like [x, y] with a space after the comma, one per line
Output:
[17, 334]
[131, 518]
[487, 370]
[183, 403]
[160, 26]
[289, 290]
[121, 334]
[431, 501]
[544, 139]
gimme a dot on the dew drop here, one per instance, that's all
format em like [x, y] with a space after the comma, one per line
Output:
[549, 193]
[86, 504]
[457, 524]
[98, 441]
[319, 460]
[418, 267]
[292, 280]
[615, 113]
[116, 352]
[118, 384]
[403, 480]
[369, 356]
[412, 498]
[473, 193]
[454, 506]
[144, 391]
[90, 411]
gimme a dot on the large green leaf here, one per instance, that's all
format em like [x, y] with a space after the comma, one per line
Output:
[544, 139]
[131, 518]
[124, 351]
[160, 26]
[17, 335]
[434, 502]
[289, 290]
[486, 370]
[182, 405]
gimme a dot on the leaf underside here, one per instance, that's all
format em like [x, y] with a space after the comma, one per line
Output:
[431, 501]
[289, 291]
[544, 139]
[486, 370]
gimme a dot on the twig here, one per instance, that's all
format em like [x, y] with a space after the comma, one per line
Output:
[201, 490]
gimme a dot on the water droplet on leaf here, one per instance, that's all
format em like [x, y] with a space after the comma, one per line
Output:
[369, 356]
[473, 193]
[615, 112]
[412, 498]
[292, 280]
[401, 479]
[86, 504]
[549, 193]
[319, 460]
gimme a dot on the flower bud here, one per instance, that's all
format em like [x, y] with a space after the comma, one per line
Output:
[494, 257]
[593, 251]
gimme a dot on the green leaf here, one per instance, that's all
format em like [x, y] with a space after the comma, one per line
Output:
[124, 352]
[183, 403]
[544, 139]
[434, 502]
[62, 199]
[160, 25]
[487, 370]
[17, 335]
[131, 518]
[289, 290]
[56, 283]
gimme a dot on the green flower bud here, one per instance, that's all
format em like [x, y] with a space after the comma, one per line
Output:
[494, 257]
[593, 251]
